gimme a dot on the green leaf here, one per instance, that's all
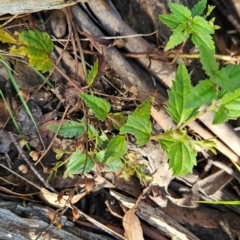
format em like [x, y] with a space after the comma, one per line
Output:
[37, 39]
[99, 106]
[231, 102]
[209, 10]
[211, 22]
[92, 74]
[36, 46]
[233, 72]
[103, 140]
[179, 35]
[77, 162]
[170, 20]
[100, 156]
[166, 142]
[203, 93]
[177, 96]
[182, 158]
[199, 8]
[69, 130]
[227, 78]
[220, 116]
[200, 26]
[140, 128]
[209, 63]
[203, 39]
[114, 165]
[144, 109]
[116, 148]
[180, 12]
[92, 131]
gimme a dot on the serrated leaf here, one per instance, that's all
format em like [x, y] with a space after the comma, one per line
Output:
[37, 39]
[76, 163]
[208, 61]
[231, 102]
[166, 142]
[177, 96]
[92, 73]
[179, 35]
[209, 10]
[220, 116]
[116, 148]
[201, 26]
[92, 131]
[140, 128]
[203, 93]
[69, 130]
[114, 165]
[170, 20]
[5, 37]
[182, 158]
[100, 156]
[144, 109]
[199, 8]
[103, 140]
[180, 12]
[227, 78]
[37, 59]
[100, 107]
[204, 40]
[37, 47]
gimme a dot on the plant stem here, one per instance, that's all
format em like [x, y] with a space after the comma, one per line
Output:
[210, 108]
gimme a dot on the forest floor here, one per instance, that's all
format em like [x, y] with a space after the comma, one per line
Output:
[53, 183]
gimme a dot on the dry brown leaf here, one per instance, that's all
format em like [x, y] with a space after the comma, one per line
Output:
[132, 226]
[59, 225]
[75, 213]
[52, 215]
[52, 198]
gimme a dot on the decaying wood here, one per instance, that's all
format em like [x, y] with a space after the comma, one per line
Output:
[15, 227]
[25, 6]
[112, 56]
[156, 218]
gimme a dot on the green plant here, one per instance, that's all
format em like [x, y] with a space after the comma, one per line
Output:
[185, 23]
[220, 94]
[106, 154]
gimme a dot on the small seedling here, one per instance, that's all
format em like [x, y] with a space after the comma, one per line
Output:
[187, 23]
